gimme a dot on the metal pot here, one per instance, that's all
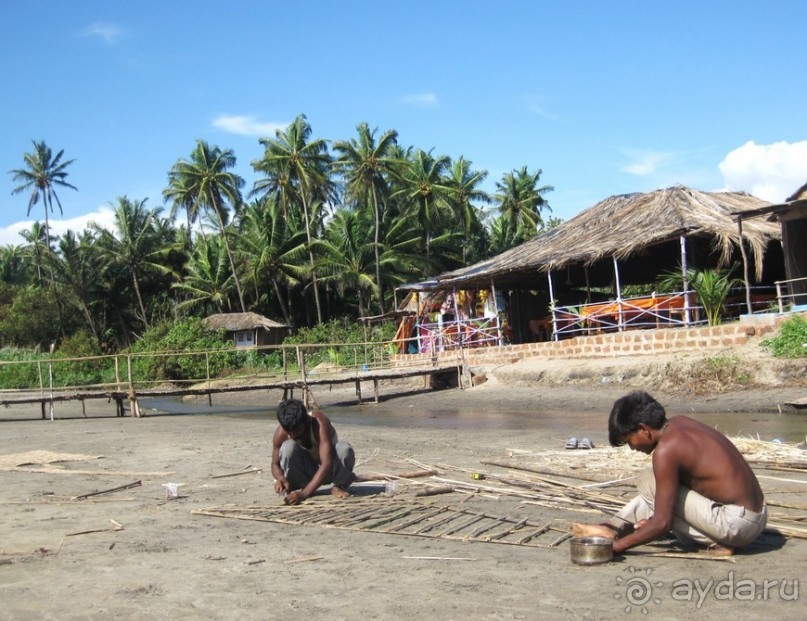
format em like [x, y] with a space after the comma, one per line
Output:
[592, 550]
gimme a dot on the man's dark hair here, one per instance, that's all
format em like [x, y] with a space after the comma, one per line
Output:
[632, 410]
[291, 413]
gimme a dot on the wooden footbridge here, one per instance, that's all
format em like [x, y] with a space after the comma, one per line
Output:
[126, 394]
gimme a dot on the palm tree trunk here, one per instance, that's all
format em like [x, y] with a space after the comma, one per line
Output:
[59, 312]
[230, 257]
[139, 298]
[283, 308]
[311, 259]
[377, 257]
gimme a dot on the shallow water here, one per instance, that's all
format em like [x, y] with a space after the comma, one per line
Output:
[789, 427]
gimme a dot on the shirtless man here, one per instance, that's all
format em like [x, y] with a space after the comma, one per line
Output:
[306, 454]
[700, 486]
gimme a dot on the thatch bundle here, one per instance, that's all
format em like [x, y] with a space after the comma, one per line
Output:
[239, 321]
[622, 226]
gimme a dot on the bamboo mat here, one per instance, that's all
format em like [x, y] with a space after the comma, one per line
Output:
[394, 516]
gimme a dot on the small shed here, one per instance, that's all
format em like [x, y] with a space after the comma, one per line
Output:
[248, 329]
[792, 217]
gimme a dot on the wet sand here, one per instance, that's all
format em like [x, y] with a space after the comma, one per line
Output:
[165, 562]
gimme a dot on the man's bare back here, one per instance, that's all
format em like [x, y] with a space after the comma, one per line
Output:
[709, 463]
[689, 458]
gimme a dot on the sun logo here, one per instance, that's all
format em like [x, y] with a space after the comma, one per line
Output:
[637, 590]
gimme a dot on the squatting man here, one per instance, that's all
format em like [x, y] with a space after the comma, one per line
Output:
[307, 453]
[699, 486]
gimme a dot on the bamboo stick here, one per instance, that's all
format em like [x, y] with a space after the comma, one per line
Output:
[515, 465]
[401, 514]
[536, 533]
[416, 520]
[683, 555]
[237, 474]
[560, 540]
[486, 527]
[434, 491]
[109, 491]
[448, 518]
[450, 531]
[507, 531]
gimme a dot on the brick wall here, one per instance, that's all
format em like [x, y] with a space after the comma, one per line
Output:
[630, 343]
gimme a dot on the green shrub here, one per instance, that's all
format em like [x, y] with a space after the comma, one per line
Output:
[343, 332]
[189, 352]
[85, 367]
[791, 342]
[19, 369]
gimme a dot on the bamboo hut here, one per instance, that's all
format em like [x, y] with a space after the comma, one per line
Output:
[624, 239]
[248, 329]
[792, 217]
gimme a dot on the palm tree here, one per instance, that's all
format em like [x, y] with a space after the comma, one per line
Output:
[78, 268]
[36, 246]
[365, 163]
[346, 256]
[463, 190]
[711, 285]
[41, 177]
[207, 282]
[205, 183]
[521, 201]
[402, 258]
[272, 248]
[503, 235]
[298, 167]
[135, 245]
[425, 190]
[14, 269]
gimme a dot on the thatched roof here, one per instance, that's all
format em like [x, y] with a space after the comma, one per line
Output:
[798, 195]
[240, 321]
[624, 225]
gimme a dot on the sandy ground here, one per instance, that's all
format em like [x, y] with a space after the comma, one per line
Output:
[133, 554]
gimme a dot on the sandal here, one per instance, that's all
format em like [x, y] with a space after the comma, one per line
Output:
[585, 443]
[571, 443]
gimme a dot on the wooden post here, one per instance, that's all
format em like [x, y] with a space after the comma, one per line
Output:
[620, 320]
[50, 376]
[496, 310]
[207, 371]
[685, 280]
[132, 397]
[745, 266]
[779, 298]
[552, 306]
[301, 363]
[457, 316]
[41, 387]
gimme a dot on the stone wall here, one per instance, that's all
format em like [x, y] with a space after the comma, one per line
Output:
[629, 343]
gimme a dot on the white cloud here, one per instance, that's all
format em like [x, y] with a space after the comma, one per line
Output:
[108, 33]
[423, 100]
[245, 125]
[103, 216]
[771, 172]
[645, 161]
[535, 104]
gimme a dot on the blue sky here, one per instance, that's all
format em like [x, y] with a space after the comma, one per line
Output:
[604, 97]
